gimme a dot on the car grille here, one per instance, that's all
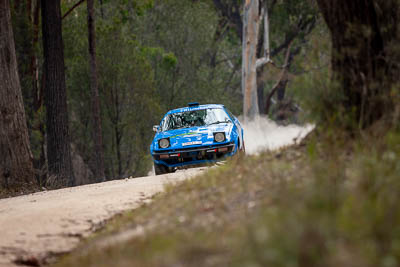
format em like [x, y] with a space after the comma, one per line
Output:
[189, 149]
[184, 155]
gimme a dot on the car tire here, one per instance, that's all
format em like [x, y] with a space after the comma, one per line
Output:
[160, 169]
[171, 170]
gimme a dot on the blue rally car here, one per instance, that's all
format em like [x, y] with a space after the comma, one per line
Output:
[195, 135]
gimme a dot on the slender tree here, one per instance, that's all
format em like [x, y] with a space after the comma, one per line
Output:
[16, 169]
[95, 102]
[254, 14]
[365, 37]
[58, 139]
[301, 20]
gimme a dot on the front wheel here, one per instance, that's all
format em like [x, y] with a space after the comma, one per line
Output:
[160, 169]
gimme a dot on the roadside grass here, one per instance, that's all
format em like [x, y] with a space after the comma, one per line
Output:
[330, 201]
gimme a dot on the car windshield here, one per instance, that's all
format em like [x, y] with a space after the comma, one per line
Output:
[192, 118]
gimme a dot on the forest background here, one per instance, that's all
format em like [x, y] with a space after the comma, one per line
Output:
[153, 56]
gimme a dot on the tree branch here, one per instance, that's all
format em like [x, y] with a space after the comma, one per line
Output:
[267, 50]
[72, 8]
[282, 75]
[262, 61]
[266, 57]
[232, 14]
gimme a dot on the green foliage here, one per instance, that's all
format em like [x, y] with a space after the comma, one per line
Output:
[152, 56]
[169, 60]
[312, 87]
[128, 103]
[178, 37]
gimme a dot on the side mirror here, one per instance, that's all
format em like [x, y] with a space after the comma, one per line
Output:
[156, 128]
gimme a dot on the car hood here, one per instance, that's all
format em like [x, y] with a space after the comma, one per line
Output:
[204, 134]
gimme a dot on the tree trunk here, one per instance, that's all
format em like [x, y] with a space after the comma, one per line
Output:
[37, 94]
[251, 22]
[16, 169]
[95, 102]
[262, 70]
[37, 103]
[118, 138]
[364, 54]
[260, 94]
[58, 140]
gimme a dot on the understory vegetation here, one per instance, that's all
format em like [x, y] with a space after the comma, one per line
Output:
[329, 201]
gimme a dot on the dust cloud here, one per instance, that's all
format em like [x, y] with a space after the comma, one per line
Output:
[265, 134]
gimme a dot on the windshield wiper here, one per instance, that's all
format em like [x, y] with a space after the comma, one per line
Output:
[218, 122]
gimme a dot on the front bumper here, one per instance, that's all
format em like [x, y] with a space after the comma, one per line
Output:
[193, 156]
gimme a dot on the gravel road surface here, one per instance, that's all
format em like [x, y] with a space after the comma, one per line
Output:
[35, 227]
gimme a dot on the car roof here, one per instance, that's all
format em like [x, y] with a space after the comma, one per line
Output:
[197, 107]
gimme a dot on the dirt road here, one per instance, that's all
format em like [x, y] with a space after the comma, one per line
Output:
[36, 226]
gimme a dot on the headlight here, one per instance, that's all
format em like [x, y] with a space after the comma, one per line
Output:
[163, 143]
[219, 137]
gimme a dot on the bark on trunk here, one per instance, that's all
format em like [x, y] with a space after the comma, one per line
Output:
[95, 101]
[251, 22]
[364, 54]
[16, 169]
[58, 140]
